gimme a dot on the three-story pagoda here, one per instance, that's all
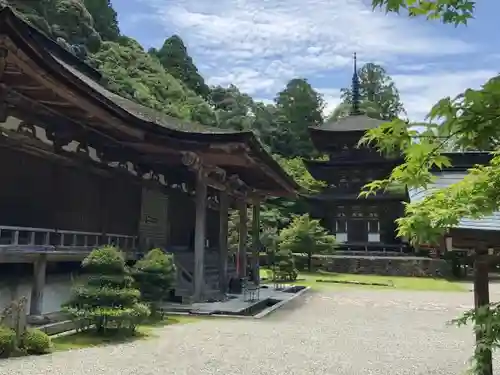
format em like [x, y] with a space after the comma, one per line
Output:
[358, 223]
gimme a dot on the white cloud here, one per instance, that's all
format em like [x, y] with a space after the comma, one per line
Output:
[258, 45]
[332, 99]
[420, 92]
[279, 39]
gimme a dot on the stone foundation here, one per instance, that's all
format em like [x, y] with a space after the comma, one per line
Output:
[387, 266]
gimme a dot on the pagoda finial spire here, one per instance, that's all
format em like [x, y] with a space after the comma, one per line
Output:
[355, 89]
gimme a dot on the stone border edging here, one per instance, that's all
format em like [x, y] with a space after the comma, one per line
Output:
[353, 283]
[270, 309]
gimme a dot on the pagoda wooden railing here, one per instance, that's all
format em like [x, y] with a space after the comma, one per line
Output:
[20, 238]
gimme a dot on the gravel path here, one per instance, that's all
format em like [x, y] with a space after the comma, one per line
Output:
[343, 331]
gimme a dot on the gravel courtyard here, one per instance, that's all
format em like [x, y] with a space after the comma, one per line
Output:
[343, 331]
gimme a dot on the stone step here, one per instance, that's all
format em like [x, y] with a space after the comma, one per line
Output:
[58, 327]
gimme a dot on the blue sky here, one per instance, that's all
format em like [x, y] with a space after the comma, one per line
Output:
[259, 45]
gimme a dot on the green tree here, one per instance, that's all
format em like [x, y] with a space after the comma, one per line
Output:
[174, 57]
[298, 107]
[470, 119]
[265, 124]
[155, 276]
[456, 12]
[378, 93]
[107, 300]
[296, 168]
[344, 109]
[105, 18]
[278, 211]
[134, 74]
[305, 235]
[66, 21]
[232, 107]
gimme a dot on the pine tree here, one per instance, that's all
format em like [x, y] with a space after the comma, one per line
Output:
[155, 276]
[107, 301]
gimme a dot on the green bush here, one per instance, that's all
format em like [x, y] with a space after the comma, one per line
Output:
[284, 266]
[7, 341]
[107, 300]
[35, 341]
[155, 276]
[306, 236]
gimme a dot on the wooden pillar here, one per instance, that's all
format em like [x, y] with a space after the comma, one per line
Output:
[4, 110]
[103, 190]
[39, 273]
[223, 238]
[242, 244]
[482, 300]
[256, 240]
[199, 236]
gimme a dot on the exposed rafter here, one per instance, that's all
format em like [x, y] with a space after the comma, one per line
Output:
[19, 100]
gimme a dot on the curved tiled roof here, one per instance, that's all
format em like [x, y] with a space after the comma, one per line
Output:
[351, 123]
[445, 179]
[60, 59]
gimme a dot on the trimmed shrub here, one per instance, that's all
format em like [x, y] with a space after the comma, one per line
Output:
[155, 276]
[7, 341]
[107, 300]
[35, 341]
[284, 267]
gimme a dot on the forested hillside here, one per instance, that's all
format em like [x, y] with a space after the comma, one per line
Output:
[168, 80]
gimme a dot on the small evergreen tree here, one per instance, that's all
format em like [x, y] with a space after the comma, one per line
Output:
[305, 235]
[155, 276]
[284, 266]
[107, 300]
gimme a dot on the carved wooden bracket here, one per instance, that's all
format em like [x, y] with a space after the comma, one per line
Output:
[214, 176]
[192, 161]
[58, 139]
[155, 176]
[27, 129]
[123, 165]
[140, 169]
[83, 148]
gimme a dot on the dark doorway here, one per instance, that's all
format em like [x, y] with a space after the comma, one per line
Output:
[357, 231]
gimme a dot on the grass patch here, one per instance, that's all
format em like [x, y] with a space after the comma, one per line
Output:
[88, 339]
[397, 282]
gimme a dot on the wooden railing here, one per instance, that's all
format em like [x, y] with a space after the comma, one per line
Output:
[25, 237]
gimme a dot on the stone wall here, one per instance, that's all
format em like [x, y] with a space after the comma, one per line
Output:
[387, 266]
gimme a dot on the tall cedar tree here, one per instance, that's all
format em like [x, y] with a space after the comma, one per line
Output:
[298, 107]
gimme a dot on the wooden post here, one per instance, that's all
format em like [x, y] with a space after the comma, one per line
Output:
[482, 299]
[199, 236]
[242, 243]
[223, 238]
[256, 240]
[39, 273]
[103, 190]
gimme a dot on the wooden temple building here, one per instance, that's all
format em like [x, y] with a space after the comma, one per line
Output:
[465, 237]
[358, 224]
[82, 167]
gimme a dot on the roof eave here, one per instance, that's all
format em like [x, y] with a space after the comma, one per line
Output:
[15, 24]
